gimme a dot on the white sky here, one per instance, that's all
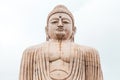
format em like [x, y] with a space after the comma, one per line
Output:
[22, 24]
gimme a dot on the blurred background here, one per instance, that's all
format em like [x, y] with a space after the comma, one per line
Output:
[22, 24]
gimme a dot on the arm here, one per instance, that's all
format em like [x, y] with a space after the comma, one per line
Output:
[26, 68]
[92, 65]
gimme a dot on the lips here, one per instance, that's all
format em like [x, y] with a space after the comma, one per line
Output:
[60, 29]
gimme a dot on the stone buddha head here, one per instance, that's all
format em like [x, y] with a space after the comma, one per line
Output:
[60, 24]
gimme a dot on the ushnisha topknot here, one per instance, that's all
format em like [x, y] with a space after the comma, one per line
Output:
[61, 9]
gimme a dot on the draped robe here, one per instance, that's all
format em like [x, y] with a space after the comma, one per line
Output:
[84, 63]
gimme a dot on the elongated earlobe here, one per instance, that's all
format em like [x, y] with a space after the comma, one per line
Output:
[73, 33]
[47, 36]
[74, 30]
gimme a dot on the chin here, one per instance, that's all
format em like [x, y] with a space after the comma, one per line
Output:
[60, 35]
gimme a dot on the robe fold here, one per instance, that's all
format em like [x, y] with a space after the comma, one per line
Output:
[84, 64]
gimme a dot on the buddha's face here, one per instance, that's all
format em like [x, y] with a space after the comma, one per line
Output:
[60, 26]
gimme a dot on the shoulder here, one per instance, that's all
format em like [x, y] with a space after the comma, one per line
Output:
[34, 48]
[85, 48]
[88, 51]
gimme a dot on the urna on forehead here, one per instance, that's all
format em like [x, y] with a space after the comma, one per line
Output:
[61, 9]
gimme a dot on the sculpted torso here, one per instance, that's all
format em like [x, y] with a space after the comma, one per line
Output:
[59, 59]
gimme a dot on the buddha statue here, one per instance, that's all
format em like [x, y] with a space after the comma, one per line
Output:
[59, 58]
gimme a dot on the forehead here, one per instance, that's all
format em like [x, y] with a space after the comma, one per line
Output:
[57, 15]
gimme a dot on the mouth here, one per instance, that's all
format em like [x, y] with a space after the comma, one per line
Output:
[60, 29]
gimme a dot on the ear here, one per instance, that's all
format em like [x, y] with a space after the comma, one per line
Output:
[73, 33]
[47, 36]
[74, 30]
[46, 30]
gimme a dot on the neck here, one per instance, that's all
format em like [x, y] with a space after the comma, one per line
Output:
[59, 40]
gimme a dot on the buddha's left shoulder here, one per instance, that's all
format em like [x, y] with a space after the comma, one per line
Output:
[87, 50]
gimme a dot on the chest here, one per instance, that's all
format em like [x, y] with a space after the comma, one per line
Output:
[57, 51]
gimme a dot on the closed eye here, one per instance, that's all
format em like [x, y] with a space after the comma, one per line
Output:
[66, 22]
[54, 21]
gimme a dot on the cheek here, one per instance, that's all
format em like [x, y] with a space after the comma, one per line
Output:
[50, 28]
[68, 28]
[68, 31]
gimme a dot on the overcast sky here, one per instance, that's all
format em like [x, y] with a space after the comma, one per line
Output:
[22, 24]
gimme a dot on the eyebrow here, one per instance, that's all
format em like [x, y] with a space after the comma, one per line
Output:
[66, 19]
[58, 18]
[53, 19]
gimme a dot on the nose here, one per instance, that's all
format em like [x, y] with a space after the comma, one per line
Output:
[60, 24]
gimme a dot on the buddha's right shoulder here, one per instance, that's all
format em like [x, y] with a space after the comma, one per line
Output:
[34, 47]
